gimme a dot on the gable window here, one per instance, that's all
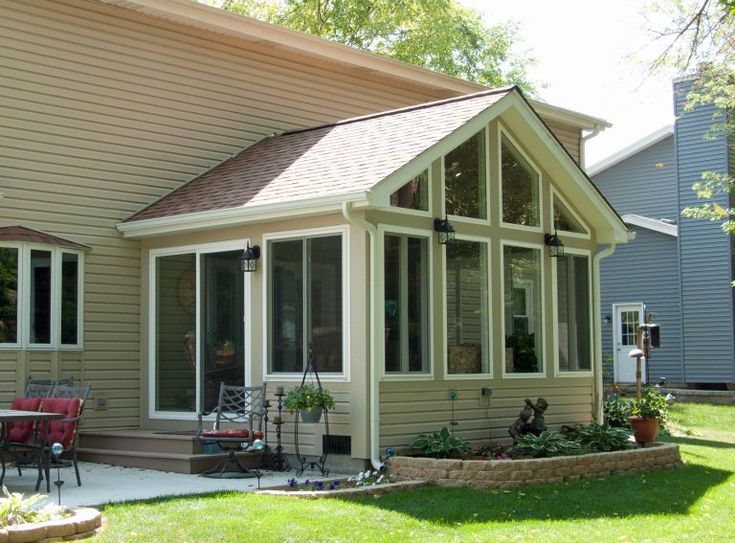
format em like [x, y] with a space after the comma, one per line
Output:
[565, 220]
[520, 186]
[523, 310]
[406, 304]
[414, 194]
[467, 308]
[465, 179]
[40, 291]
[306, 304]
[574, 335]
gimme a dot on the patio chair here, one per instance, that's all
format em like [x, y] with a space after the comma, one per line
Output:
[17, 437]
[237, 405]
[38, 388]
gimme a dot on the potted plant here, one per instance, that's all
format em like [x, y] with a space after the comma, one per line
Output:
[647, 412]
[225, 353]
[310, 401]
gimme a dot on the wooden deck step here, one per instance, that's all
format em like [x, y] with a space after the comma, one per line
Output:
[138, 440]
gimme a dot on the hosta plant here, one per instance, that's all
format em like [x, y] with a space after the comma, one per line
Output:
[16, 509]
[549, 443]
[617, 412]
[441, 444]
[600, 437]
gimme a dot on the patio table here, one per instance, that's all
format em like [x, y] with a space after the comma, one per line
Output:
[13, 415]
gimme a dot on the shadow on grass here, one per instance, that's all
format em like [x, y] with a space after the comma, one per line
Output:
[699, 442]
[668, 492]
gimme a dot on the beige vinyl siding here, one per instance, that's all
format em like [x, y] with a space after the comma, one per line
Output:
[569, 136]
[103, 111]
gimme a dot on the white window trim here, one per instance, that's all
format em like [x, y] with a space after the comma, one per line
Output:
[503, 133]
[197, 250]
[544, 326]
[429, 195]
[488, 325]
[443, 192]
[384, 230]
[292, 377]
[24, 298]
[566, 233]
[554, 321]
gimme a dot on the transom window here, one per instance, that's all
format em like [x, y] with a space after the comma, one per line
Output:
[520, 186]
[40, 293]
[305, 304]
[406, 304]
[573, 313]
[465, 183]
[523, 310]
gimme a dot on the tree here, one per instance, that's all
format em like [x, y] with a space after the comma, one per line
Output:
[701, 39]
[440, 35]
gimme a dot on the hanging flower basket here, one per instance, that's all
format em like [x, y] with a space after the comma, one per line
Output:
[310, 401]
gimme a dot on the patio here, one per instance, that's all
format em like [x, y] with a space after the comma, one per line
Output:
[102, 483]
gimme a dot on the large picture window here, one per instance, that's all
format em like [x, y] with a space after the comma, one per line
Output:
[465, 179]
[306, 304]
[467, 308]
[406, 304]
[46, 312]
[520, 185]
[523, 310]
[573, 313]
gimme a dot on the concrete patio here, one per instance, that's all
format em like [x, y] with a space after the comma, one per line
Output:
[103, 483]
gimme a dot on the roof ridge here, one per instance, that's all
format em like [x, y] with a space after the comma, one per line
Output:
[404, 109]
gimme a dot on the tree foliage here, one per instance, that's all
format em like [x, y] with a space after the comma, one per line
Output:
[440, 35]
[701, 40]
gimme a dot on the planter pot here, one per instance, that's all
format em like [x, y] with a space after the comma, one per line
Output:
[644, 430]
[311, 415]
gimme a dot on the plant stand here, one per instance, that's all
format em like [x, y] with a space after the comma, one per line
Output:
[319, 463]
[277, 460]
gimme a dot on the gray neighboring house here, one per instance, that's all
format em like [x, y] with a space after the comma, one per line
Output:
[680, 269]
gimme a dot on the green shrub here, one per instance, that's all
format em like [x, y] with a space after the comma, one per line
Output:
[617, 412]
[600, 437]
[549, 443]
[441, 444]
[651, 405]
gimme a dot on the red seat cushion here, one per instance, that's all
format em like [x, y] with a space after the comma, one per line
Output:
[232, 433]
[21, 431]
[57, 431]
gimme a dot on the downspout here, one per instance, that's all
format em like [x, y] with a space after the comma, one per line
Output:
[583, 144]
[374, 404]
[598, 332]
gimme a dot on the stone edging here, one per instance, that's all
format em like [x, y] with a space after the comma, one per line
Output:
[508, 473]
[344, 492]
[84, 522]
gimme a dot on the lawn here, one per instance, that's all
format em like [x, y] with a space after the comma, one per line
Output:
[694, 503]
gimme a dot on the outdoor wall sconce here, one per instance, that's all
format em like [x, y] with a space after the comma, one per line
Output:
[250, 258]
[556, 247]
[445, 230]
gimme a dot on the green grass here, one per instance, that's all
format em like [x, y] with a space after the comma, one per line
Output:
[694, 503]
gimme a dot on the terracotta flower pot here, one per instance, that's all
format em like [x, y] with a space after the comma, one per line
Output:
[644, 430]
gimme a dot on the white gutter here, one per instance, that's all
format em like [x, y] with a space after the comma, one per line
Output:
[583, 143]
[374, 404]
[597, 308]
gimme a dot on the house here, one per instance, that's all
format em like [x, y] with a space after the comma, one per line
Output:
[679, 269]
[147, 143]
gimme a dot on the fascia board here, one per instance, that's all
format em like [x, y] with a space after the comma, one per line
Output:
[208, 220]
[627, 152]
[651, 224]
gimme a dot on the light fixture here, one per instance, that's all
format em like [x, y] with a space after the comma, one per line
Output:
[445, 230]
[556, 247]
[250, 258]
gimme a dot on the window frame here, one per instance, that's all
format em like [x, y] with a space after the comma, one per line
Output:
[567, 233]
[292, 377]
[488, 184]
[429, 195]
[488, 318]
[198, 250]
[23, 342]
[544, 325]
[427, 235]
[555, 308]
[505, 133]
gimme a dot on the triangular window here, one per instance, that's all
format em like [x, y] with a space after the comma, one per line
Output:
[414, 194]
[565, 220]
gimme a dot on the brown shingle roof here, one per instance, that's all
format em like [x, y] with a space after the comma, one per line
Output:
[21, 233]
[341, 158]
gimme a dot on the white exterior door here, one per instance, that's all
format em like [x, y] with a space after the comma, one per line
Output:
[627, 319]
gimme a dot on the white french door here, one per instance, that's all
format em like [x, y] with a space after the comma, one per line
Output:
[626, 321]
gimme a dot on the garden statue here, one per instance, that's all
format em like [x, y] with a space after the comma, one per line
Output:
[521, 426]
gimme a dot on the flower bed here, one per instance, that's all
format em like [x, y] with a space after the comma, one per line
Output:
[84, 522]
[508, 473]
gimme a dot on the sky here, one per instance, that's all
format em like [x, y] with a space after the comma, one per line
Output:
[591, 55]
